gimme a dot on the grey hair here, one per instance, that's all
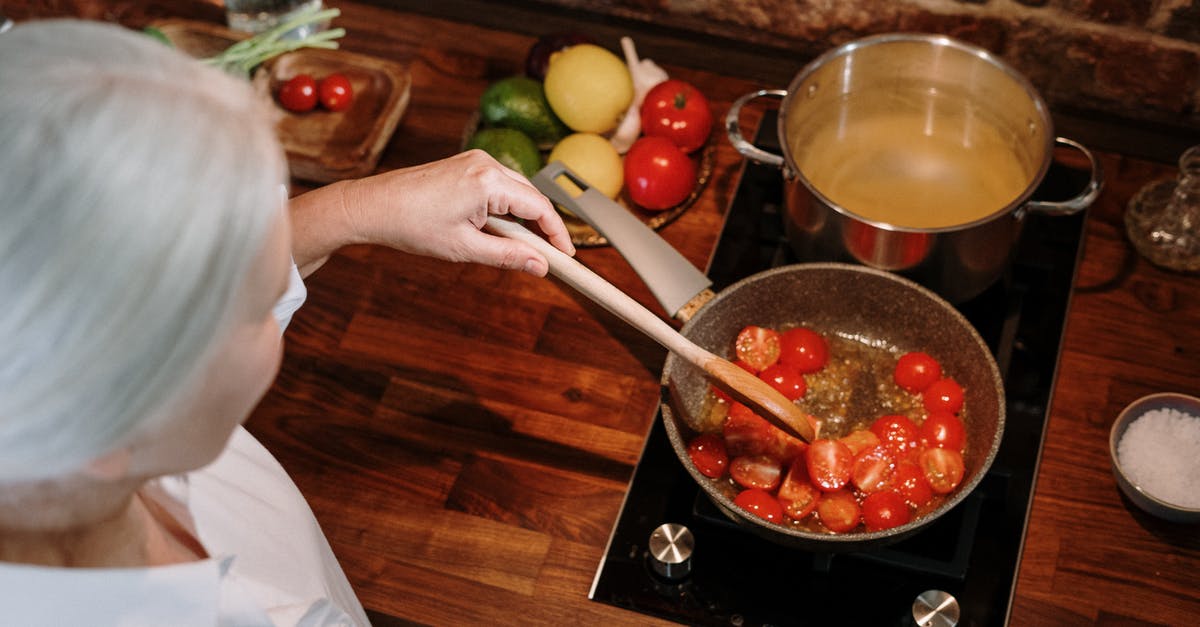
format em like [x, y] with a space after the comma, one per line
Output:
[137, 187]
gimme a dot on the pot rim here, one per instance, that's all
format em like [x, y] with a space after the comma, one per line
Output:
[791, 171]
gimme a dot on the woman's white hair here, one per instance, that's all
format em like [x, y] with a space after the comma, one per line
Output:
[137, 187]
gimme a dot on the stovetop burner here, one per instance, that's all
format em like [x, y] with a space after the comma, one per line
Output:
[964, 562]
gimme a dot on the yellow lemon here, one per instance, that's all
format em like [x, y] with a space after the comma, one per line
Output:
[588, 87]
[594, 159]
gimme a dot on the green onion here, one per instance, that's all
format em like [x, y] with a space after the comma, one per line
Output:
[242, 57]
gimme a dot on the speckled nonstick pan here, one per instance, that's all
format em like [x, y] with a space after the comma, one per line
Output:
[855, 302]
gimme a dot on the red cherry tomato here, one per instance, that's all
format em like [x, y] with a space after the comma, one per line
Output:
[787, 379]
[915, 371]
[757, 346]
[838, 511]
[797, 494]
[299, 93]
[746, 433]
[786, 449]
[943, 469]
[677, 111]
[760, 503]
[336, 93]
[658, 174]
[859, 440]
[872, 469]
[721, 394]
[829, 464]
[908, 480]
[708, 455]
[943, 395]
[897, 433]
[756, 471]
[944, 430]
[803, 348]
[884, 510]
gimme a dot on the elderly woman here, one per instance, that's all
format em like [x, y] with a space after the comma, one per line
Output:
[148, 260]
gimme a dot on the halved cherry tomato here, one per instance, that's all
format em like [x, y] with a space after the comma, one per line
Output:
[720, 394]
[872, 469]
[797, 494]
[677, 111]
[943, 395]
[896, 432]
[785, 378]
[916, 370]
[658, 175]
[756, 471]
[787, 449]
[829, 464]
[804, 348]
[760, 503]
[746, 433]
[884, 510]
[336, 92]
[838, 511]
[299, 93]
[859, 440]
[708, 454]
[908, 480]
[943, 469]
[944, 430]
[757, 346]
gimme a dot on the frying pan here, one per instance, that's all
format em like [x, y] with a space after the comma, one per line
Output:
[854, 302]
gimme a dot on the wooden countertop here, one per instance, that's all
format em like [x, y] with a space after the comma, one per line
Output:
[465, 435]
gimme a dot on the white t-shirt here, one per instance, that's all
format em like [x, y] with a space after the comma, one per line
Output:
[270, 563]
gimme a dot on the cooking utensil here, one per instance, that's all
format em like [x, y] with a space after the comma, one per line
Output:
[914, 120]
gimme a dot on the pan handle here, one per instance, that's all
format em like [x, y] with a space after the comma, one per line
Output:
[1084, 198]
[734, 130]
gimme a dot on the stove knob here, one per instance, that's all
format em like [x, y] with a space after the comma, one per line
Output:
[935, 608]
[671, 547]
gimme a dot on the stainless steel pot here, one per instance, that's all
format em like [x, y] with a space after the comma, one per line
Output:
[912, 153]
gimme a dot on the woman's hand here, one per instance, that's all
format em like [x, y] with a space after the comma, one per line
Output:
[436, 209]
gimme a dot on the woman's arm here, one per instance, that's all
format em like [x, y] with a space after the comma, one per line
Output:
[436, 209]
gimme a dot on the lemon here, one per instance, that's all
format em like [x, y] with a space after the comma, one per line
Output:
[518, 102]
[594, 159]
[588, 87]
[510, 147]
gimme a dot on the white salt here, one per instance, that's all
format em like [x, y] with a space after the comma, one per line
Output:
[1160, 453]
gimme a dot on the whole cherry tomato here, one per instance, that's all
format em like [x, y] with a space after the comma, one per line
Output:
[916, 371]
[336, 92]
[299, 93]
[897, 433]
[677, 111]
[884, 510]
[708, 454]
[759, 503]
[943, 395]
[943, 429]
[787, 379]
[908, 480]
[803, 348]
[658, 174]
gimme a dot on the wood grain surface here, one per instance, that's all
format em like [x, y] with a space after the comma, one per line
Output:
[465, 435]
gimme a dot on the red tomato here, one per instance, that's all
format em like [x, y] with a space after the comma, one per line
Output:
[746, 433]
[943, 469]
[859, 440]
[943, 395]
[804, 348]
[915, 371]
[760, 503]
[721, 395]
[829, 464]
[336, 93]
[756, 471]
[658, 174]
[299, 93]
[757, 346]
[884, 510]
[838, 511]
[797, 494]
[679, 112]
[896, 432]
[787, 449]
[785, 378]
[708, 455]
[908, 480]
[872, 469]
[944, 430]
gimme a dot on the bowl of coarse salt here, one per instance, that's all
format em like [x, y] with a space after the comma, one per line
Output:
[1155, 449]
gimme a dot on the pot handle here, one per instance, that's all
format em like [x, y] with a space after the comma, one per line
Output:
[733, 129]
[1081, 201]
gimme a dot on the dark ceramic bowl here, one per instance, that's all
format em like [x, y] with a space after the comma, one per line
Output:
[854, 302]
[1137, 494]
